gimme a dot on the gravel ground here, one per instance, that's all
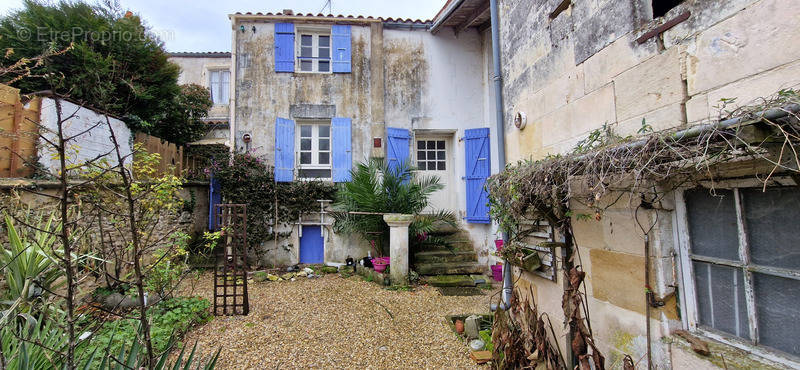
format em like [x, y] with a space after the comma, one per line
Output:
[335, 322]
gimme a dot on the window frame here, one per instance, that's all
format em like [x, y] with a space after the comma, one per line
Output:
[219, 70]
[426, 138]
[315, 33]
[687, 288]
[314, 149]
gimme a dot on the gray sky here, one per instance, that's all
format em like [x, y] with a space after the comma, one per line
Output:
[203, 25]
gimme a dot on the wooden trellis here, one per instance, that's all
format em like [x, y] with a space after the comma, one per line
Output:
[230, 275]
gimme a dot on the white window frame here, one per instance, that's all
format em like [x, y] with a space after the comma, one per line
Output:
[211, 72]
[447, 154]
[315, 138]
[315, 33]
[687, 287]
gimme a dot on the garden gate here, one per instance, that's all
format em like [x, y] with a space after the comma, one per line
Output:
[230, 275]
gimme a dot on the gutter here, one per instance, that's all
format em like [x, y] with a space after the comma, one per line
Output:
[447, 12]
[232, 89]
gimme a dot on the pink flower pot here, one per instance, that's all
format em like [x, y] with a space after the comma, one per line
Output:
[380, 263]
[498, 244]
[497, 272]
[383, 259]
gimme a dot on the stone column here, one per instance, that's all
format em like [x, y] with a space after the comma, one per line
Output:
[398, 246]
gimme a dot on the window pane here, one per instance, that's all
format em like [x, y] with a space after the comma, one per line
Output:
[324, 144]
[721, 302]
[324, 66]
[324, 53]
[306, 40]
[324, 158]
[306, 65]
[421, 154]
[420, 144]
[421, 165]
[431, 144]
[767, 216]
[440, 166]
[306, 52]
[778, 309]
[712, 223]
[440, 144]
[314, 173]
[305, 130]
[305, 144]
[324, 41]
[324, 131]
[440, 155]
[305, 158]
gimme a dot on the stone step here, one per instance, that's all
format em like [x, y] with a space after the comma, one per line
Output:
[449, 280]
[450, 268]
[455, 245]
[440, 256]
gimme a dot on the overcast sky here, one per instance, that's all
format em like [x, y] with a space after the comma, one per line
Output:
[203, 25]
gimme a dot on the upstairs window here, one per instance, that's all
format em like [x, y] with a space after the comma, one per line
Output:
[314, 150]
[219, 85]
[314, 51]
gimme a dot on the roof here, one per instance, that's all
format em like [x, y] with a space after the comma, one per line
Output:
[336, 17]
[215, 141]
[462, 14]
[200, 54]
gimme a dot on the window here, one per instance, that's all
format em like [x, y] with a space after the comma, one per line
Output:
[219, 85]
[431, 155]
[314, 52]
[314, 151]
[744, 251]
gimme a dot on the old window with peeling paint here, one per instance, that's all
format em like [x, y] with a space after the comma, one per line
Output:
[742, 249]
[218, 83]
[314, 150]
[313, 50]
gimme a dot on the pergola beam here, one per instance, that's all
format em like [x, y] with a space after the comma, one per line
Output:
[477, 13]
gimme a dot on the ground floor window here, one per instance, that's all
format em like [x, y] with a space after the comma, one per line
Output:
[314, 143]
[431, 155]
[744, 260]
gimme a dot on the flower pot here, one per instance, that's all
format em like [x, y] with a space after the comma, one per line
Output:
[498, 243]
[378, 265]
[459, 326]
[383, 259]
[497, 272]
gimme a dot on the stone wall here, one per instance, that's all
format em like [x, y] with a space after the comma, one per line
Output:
[584, 68]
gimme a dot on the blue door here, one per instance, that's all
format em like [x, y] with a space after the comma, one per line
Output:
[312, 246]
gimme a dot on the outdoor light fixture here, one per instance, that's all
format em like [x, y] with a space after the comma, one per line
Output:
[241, 28]
[254, 29]
[520, 120]
[246, 138]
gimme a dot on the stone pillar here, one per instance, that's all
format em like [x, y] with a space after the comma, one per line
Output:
[398, 246]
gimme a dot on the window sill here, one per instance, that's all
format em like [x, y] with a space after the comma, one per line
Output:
[732, 353]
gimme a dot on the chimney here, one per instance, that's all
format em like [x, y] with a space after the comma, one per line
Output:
[288, 12]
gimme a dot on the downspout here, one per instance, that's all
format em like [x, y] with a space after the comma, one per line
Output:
[508, 283]
[232, 91]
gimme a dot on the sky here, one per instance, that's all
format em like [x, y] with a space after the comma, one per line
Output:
[203, 25]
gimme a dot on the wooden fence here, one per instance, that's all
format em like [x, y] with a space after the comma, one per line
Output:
[171, 154]
[19, 132]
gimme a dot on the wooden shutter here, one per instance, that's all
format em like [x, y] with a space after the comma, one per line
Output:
[284, 150]
[340, 37]
[341, 148]
[214, 198]
[476, 146]
[284, 47]
[397, 144]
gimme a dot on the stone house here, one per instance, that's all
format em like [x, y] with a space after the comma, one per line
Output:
[571, 67]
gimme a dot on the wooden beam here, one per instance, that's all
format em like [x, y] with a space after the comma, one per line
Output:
[477, 13]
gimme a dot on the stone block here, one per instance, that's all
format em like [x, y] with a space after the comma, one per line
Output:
[614, 59]
[650, 85]
[697, 109]
[745, 44]
[618, 278]
[591, 111]
[610, 22]
[556, 94]
[659, 119]
[749, 90]
[312, 111]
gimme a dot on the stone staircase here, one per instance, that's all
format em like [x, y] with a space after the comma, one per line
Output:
[460, 259]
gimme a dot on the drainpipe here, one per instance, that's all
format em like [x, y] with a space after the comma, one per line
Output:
[508, 283]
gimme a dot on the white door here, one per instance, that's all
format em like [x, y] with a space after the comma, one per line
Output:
[433, 155]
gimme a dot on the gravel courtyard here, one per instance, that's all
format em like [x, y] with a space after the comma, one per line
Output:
[336, 322]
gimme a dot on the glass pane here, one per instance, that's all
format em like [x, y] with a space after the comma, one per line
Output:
[324, 131]
[421, 165]
[305, 144]
[324, 66]
[306, 40]
[440, 155]
[305, 130]
[721, 303]
[431, 144]
[767, 216]
[324, 144]
[324, 158]
[778, 309]
[440, 166]
[315, 173]
[712, 223]
[306, 65]
[420, 144]
[440, 144]
[306, 52]
[421, 154]
[305, 158]
[324, 53]
[324, 41]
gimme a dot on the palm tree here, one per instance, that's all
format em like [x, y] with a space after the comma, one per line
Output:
[376, 189]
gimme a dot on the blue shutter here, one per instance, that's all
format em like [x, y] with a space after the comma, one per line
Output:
[397, 143]
[341, 148]
[214, 198]
[284, 47]
[284, 150]
[476, 145]
[340, 35]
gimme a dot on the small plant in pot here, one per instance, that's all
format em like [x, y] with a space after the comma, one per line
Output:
[378, 263]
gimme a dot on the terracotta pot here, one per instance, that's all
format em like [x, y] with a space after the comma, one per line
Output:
[459, 327]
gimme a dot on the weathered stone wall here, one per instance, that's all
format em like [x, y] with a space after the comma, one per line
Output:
[584, 68]
[195, 70]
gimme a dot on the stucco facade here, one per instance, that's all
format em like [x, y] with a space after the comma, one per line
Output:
[196, 68]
